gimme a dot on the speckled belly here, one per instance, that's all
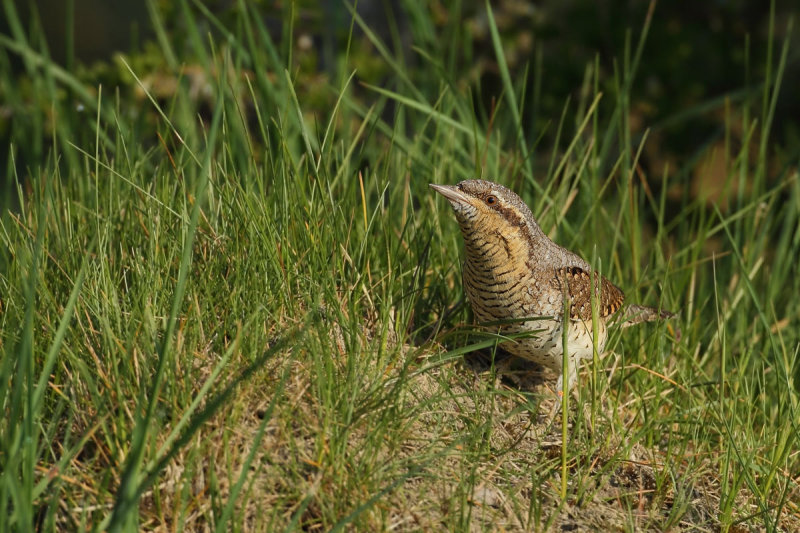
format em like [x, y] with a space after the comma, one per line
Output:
[506, 296]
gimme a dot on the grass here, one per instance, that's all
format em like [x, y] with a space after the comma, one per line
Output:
[241, 312]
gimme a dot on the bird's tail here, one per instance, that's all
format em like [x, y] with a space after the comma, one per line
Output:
[636, 314]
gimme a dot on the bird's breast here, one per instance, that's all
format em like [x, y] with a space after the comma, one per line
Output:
[496, 279]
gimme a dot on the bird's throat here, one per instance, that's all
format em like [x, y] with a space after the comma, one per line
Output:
[495, 251]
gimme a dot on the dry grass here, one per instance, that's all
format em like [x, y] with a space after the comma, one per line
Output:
[505, 480]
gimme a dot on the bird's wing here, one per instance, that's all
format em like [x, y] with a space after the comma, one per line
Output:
[578, 284]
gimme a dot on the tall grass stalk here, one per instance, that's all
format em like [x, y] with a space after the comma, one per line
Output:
[235, 304]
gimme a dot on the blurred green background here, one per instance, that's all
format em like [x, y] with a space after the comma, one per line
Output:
[697, 57]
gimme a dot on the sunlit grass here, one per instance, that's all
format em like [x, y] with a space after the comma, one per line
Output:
[242, 312]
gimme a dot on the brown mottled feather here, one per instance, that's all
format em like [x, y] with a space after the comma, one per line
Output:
[578, 283]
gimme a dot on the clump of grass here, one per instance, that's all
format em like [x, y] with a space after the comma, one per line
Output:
[232, 312]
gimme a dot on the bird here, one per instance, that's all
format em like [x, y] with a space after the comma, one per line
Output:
[517, 278]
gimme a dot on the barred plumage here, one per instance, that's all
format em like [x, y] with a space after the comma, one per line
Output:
[514, 272]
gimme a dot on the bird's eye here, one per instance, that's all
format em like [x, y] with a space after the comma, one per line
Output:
[491, 199]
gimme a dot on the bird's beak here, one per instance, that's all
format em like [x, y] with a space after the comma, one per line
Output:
[451, 192]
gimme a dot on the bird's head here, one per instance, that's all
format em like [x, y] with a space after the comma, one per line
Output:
[482, 205]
